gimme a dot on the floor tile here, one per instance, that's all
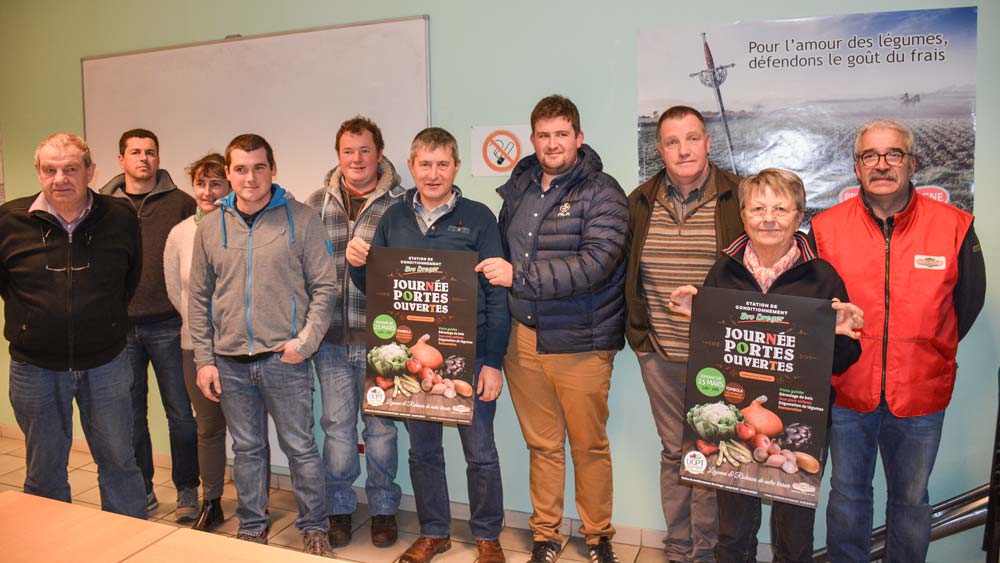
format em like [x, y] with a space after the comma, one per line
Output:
[10, 444]
[281, 519]
[18, 451]
[284, 500]
[577, 550]
[514, 556]
[79, 459]
[81, 481]
[4, 488]
[15, 477]
[167, 496]
[90, 496]
[649, 554]
[408, 522]
[289, 536]
[516, 539]
[92, 466]
[229, 490]
[9, 463]
[361, 548]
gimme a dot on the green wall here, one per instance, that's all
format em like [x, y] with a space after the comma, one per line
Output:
[586, 50]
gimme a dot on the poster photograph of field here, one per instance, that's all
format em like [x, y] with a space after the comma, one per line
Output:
[791, 94]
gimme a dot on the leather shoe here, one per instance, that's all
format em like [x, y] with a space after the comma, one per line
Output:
[384, 530]
[340, 530]
[424, 549]
[490, 552]
[210, 517]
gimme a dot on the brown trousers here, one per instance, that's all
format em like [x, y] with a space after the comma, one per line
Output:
[556, 395]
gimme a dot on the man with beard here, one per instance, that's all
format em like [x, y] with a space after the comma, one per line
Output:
[563, 224]
[915, 267]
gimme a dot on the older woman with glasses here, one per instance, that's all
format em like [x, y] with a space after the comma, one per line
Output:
[773, 257]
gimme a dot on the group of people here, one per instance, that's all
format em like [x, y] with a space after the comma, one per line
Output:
[242, 295]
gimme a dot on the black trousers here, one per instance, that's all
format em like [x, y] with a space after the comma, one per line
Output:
[739, 521]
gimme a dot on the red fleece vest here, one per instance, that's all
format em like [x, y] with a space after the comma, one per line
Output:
[920, 338]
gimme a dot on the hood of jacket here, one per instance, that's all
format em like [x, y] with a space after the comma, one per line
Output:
[388, 179]
[116, 185]
[279, 198]
[588, 163]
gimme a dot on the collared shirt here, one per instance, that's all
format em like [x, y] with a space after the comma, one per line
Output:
[522, 232]
[427, 218]
[42, 204]
[682, 207]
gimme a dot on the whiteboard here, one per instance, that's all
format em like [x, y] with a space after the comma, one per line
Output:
[294, 89]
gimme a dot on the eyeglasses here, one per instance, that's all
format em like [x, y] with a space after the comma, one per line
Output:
[893, 157]
[778, 212]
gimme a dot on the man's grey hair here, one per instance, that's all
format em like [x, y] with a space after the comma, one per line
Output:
[883, 123]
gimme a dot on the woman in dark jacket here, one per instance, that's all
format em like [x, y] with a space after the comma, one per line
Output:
[773, 257]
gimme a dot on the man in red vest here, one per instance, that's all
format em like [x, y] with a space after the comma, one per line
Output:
[916, 268]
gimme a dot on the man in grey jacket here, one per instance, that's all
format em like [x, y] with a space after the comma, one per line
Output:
[262, 290]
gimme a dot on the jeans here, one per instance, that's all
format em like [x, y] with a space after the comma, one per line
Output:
[689, 511]
[341, 374]
[909, 447]
[739, 521]
[251, 391]
[211, 433]
[430, 487]
[43, 405]
[160, 342]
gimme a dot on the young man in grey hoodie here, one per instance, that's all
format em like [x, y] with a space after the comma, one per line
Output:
[154, 326]
[355, 195]
[262, 290]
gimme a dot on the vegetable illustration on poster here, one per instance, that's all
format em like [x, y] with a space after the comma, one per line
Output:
[758, 393]
[791, 94]
[421, 308]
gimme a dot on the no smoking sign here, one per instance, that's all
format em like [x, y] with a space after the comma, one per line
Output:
[497, 149]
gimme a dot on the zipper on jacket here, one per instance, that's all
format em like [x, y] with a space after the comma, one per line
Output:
[887, 233]
[249, 278]
[69, 300]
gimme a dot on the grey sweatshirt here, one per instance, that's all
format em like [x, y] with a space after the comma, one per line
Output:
[254, 289]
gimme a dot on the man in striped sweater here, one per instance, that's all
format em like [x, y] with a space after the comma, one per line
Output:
[679, 222]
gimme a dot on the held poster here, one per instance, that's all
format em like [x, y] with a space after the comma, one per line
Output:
[792, 93]
[421, 337]
[758, 393]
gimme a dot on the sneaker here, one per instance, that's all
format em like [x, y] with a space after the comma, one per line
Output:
[187, 506]
[544, 552]
[602, 552]
[259, 537]
[314, 542]
[151, 502]
[340, 530]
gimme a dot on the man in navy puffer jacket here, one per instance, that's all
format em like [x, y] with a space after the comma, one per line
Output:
[563, 224]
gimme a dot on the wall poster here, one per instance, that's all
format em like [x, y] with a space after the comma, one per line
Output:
[758, 393]
[791, 94]
[421, 307]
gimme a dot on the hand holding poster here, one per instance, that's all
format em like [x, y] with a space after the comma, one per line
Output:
[421, 308]
[758, 393]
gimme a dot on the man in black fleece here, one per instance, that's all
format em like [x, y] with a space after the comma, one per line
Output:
[154, 334]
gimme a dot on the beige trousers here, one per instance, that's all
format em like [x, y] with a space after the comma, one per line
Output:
[556, 395]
